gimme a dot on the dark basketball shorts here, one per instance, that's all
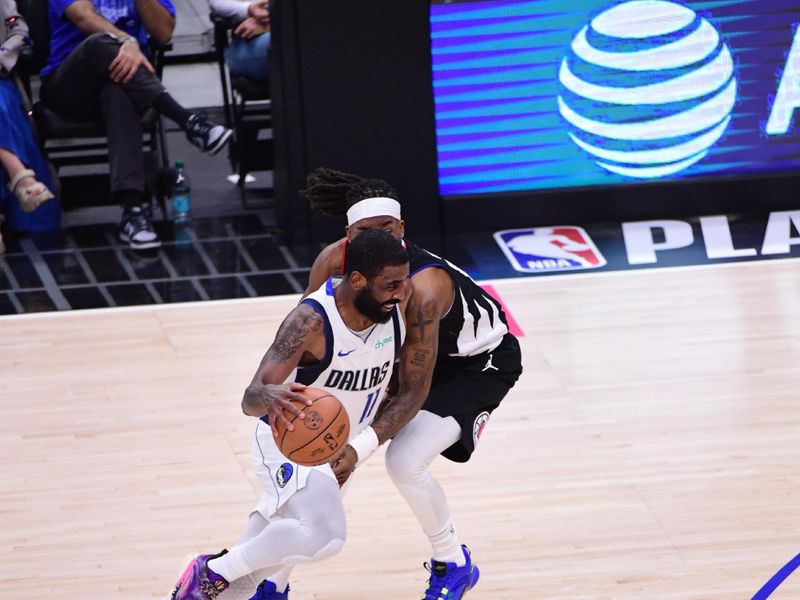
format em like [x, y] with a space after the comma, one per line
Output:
[469, 389]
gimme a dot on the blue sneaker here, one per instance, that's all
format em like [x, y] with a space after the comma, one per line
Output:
[267, 591]
[199, 582]
[449, 582]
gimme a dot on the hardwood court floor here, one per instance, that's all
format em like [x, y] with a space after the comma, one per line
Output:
[649, 451]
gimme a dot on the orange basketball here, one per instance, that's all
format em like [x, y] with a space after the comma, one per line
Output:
[321, 436]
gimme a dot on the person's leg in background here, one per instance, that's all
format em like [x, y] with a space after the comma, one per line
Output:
[30, 192]
[248, 58]
[126, 165]
[72, 90]
[81, 87]
[28, 206]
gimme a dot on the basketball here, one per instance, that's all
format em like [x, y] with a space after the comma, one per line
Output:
[319, 437]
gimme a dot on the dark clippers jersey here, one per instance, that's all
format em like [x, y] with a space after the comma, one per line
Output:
[476, 322]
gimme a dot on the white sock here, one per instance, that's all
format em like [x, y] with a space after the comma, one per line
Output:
[232, 566]
[446, 547]
[279, 577]
[245, 587]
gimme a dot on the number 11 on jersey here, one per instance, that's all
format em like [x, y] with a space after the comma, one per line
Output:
[372, 400]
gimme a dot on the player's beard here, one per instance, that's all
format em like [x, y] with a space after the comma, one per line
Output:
[369, 306]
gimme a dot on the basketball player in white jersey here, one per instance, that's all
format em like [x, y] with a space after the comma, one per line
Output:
[332, 340]
[458, 363]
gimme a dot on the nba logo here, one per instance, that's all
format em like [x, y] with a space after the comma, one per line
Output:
[549, 249]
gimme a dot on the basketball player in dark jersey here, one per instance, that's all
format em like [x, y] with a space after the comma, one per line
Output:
[457, 364]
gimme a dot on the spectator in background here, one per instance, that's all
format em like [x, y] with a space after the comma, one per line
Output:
[97, 66]
[23, 165]
[247, 54]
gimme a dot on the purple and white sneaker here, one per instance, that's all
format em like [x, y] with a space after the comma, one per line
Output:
[198, 582]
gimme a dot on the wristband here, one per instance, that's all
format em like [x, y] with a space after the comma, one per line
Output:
[128, 38]
[365, 443]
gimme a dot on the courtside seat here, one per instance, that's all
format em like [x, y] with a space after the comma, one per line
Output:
[72, 143]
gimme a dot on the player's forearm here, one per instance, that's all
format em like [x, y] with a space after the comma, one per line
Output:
[157, 20]
[83, 15]
[395, 415]
[253, 404]
[417, 359]
[398, 411]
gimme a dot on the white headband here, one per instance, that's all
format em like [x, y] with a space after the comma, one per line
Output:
[373, 207]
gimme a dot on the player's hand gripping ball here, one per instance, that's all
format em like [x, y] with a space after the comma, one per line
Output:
[321, 436]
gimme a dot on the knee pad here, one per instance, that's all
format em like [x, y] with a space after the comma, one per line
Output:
[332, 548]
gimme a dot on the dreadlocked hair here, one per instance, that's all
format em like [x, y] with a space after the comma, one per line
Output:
[332, 192]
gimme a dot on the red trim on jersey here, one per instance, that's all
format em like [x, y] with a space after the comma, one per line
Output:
[513, 327]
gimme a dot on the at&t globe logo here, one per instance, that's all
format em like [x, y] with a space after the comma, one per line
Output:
[647, 88]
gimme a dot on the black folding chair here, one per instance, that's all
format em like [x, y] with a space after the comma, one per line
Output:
[248, 111]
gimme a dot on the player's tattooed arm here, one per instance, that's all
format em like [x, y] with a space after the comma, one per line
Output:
[301, 332]
[291, 337]
[417, 359]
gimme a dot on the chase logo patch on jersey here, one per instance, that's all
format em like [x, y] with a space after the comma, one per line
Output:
[381, 343]
[548, 249]
[478, 426]
[285, 472]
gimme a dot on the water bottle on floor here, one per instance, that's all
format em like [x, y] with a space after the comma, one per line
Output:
[181, 195]
[181, 207]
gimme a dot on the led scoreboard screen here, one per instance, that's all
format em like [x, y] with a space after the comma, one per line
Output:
[544, 94]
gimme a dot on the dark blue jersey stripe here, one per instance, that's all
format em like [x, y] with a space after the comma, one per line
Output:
[307, 375]
[396, 323]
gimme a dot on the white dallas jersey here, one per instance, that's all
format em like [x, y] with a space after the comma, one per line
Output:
[355, 370]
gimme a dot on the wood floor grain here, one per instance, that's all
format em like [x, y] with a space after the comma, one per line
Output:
[650, 450]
